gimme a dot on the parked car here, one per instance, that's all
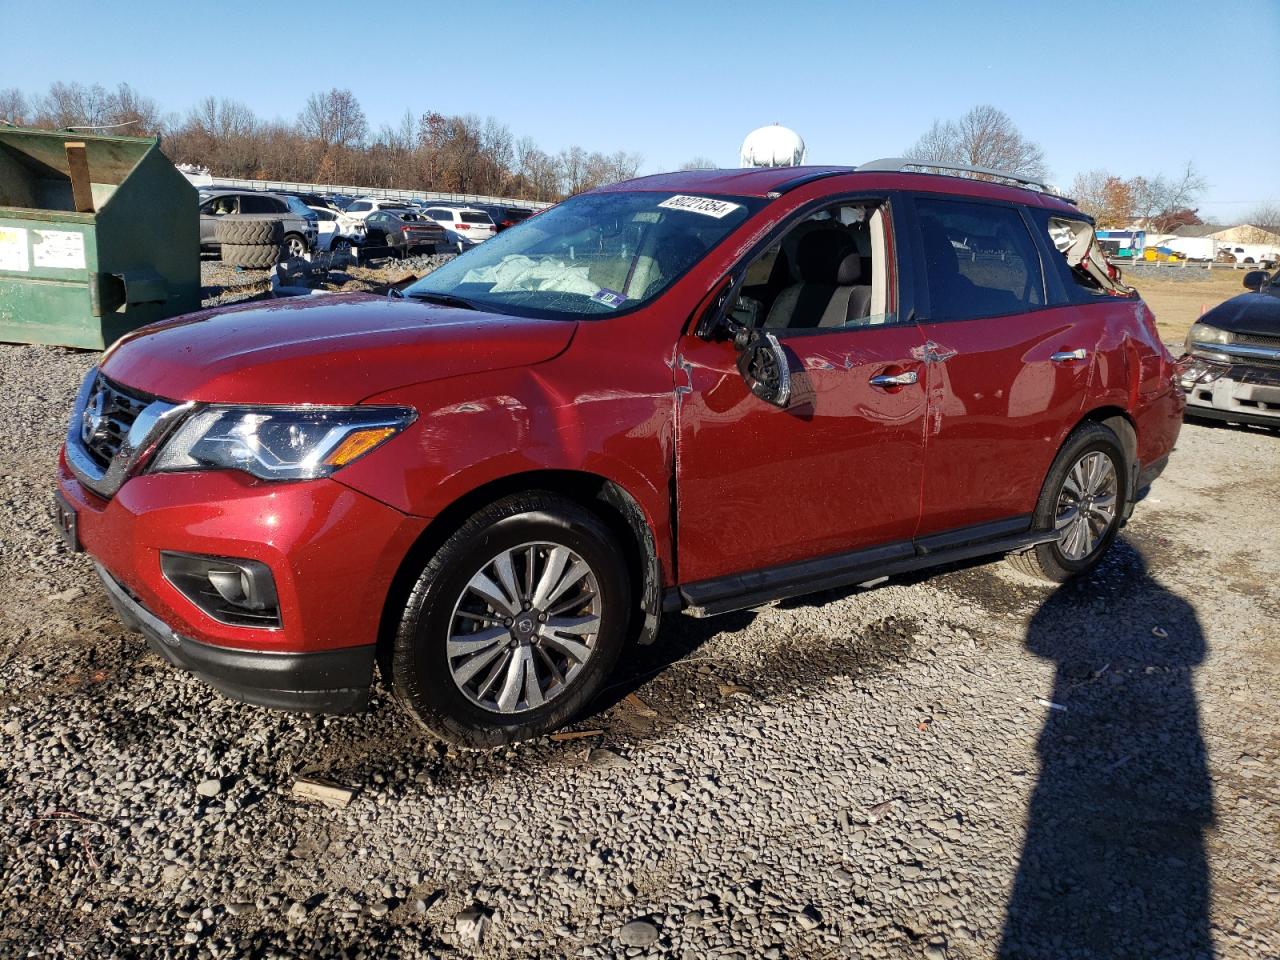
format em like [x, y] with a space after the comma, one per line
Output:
[338, 231]
[1231, 371]
[704, 390]
[364, 206]
[313, 200]
[466, 226]
[505, 217]
[300, 221]
[1254, 253]
[400, 232]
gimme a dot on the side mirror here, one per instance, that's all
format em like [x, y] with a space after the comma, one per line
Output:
[1255, 279]
[763, 364]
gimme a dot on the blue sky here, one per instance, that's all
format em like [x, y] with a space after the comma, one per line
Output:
[1137, 88]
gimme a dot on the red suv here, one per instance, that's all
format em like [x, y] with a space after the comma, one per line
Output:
[704, 390]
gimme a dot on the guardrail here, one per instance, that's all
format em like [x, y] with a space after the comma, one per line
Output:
[237, 183]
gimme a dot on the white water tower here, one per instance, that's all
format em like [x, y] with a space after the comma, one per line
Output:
[773, 146]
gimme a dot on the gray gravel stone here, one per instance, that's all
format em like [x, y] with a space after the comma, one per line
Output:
[638, 933]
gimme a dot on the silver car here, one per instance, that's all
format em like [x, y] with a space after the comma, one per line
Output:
[300, 229]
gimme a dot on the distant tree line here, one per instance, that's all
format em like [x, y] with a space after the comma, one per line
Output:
[331, 142]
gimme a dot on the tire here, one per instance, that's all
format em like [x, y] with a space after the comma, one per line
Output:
[253, 256]
[1061, 560]
[340, 245]
[294, 246]
[460, 696]
[248, 230]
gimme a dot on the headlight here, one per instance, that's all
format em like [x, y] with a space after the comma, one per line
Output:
[279, 443]
[1203, 333]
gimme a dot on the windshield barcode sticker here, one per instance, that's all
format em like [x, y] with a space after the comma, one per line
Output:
[706, 206]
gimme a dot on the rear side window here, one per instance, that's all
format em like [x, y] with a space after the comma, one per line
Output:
[254, 204]
[979, 260]
[440, 214]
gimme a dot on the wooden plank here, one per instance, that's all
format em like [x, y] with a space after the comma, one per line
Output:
[78, 167]
[330, 794]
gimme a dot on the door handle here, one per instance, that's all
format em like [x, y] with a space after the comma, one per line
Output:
[1066, 356]
[895, 380]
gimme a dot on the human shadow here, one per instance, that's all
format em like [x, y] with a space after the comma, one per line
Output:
[1114, 863]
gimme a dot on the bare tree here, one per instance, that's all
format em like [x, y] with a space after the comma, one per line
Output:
[1104, 196]
[1162, 203]
[13, 106]
[1265, 220]
[699, 163]
[334, 119]
[71, 105]
[983, 137]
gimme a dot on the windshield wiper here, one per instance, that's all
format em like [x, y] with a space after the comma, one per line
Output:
[444, 299]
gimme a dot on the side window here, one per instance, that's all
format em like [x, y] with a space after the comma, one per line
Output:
[979, 260]
[829, 271]
[359, 206]
[250, 203]
[220, 206]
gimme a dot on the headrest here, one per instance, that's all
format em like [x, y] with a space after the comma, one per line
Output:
[850, 271]
[820, 254]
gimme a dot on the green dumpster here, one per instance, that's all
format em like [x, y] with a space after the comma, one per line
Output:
[98, 235]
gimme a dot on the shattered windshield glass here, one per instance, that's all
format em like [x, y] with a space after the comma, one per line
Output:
[591, 255]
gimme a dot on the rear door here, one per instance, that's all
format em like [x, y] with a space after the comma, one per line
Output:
[1009, 361]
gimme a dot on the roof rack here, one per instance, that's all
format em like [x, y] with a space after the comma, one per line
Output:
[900, 164]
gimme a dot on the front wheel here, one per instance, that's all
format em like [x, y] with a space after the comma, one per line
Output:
[514, 624]
[1082, 500]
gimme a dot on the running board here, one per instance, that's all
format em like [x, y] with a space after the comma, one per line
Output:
[743, 591]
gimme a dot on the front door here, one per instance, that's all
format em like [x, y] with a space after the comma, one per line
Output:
[1008, 373]
[838, 469]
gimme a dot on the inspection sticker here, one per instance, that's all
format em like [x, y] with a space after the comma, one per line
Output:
[63, 249]
[13, 249]
[705, 205]
[610, 298]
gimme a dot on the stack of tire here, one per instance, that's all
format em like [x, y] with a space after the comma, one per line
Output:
[249, 240]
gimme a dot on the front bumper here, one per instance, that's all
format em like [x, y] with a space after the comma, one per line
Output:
[333, 553]
[330, 681]
[1244, 394]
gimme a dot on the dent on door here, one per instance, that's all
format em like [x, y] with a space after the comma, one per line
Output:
[837, 469]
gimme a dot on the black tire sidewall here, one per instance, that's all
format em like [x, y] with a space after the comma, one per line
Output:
[1095, 438]
[421, 675]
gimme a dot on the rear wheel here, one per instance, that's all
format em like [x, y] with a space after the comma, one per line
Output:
[1082, 499]
[514, 624]
[295, 246]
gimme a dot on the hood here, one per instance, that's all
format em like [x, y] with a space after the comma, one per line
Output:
[335, 349]
[1257, 314]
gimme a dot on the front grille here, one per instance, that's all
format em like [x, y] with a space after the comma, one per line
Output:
[1258, 339]
[105, 427]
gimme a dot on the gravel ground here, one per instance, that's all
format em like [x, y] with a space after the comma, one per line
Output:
[957, 767]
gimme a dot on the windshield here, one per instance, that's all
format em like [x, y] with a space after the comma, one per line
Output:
[591, 255]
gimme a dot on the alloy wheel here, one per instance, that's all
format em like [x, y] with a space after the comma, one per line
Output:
[1086, 505]
[524, 627]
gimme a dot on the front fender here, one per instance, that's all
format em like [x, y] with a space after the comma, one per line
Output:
[475, 430]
